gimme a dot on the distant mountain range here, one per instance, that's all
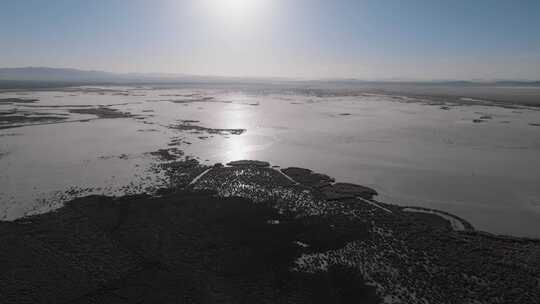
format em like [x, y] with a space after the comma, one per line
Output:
[76, 76]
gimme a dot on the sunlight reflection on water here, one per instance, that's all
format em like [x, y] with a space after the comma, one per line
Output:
[411, 153]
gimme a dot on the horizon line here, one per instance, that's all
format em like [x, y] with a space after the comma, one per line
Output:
[283, 78]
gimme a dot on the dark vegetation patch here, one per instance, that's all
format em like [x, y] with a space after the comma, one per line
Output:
[121, 156]
[188, 125]
[325, 186]
[189, 121]
[148, 130]
[80, 105]
[308, 177]
[102, 112]
[248, 163]
[16, 118]
[182, 247]
[423, 215]
[17, 100]
[9, 119]
[191, 99]
[431, 220]
[167, 154]
[340, 284]
[10, 134]
[347, 190]
[180, 172]
[57, 106]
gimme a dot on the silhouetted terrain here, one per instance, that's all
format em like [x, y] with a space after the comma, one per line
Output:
[247, 233]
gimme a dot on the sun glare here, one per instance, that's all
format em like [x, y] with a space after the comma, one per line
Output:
[236, 5]
[237, 12]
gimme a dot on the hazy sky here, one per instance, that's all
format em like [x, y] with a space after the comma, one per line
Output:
[379, 39]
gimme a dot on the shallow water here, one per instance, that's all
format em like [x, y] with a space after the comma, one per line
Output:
[411, 151]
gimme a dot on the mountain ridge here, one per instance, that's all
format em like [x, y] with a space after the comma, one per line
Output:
[51, 74]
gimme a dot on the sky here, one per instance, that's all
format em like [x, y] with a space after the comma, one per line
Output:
[364, 39]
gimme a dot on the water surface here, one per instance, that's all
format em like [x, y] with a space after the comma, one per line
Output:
[477, 160]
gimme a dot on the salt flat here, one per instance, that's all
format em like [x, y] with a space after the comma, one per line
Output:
[476, 159]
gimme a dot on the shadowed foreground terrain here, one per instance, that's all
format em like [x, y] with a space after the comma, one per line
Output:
[248, 233]
[190, 247]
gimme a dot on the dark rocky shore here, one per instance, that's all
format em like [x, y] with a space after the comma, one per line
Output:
[249, 233]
